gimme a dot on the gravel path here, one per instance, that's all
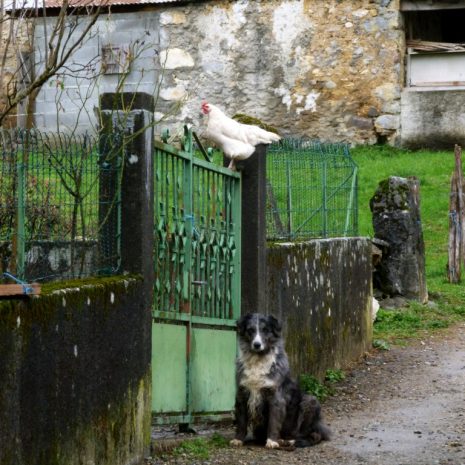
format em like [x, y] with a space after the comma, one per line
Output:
[405, 406]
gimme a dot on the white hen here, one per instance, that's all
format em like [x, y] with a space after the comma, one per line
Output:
[237, 140]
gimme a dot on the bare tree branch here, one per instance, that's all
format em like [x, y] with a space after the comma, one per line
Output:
[62, 41]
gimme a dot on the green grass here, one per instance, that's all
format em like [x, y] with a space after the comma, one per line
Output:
[200, 448]
[433, 169]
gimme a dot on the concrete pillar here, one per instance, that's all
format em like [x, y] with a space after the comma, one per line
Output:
[254, 269]
[131, 115]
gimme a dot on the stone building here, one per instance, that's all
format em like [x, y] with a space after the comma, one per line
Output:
[336, 70]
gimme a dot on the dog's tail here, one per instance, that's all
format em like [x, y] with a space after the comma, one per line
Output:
[312, 429]
[320, 433]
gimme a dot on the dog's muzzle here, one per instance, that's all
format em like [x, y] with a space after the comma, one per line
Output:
[257, 344]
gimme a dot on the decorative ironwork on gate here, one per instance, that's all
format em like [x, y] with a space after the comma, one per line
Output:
[197, 234]
[197, 281]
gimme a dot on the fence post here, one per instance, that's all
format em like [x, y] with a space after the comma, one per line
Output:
[456, 220]
[253, 267]
[19, 239]
[132, 115]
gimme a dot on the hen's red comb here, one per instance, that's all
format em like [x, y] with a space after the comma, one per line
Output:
[205, 107]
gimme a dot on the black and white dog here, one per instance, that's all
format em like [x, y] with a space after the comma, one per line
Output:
[268, 400]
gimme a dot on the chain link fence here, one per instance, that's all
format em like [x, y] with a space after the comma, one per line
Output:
[59, 205]
[311, 191]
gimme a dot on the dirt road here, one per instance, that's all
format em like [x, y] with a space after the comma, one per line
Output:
[405, 406]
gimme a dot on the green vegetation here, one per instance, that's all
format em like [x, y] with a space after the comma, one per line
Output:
[381, 344]
[433, 169]
[334, 376]
[200, 448]
[321, 390]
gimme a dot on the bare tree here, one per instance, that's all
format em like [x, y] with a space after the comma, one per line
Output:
[20, 77]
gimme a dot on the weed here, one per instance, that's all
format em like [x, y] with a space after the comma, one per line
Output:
[381, 345]
[436, 324]
[458, 310]
[193, 447]
[218, 441]
[311, 385]
[200, 448]
[334, 376]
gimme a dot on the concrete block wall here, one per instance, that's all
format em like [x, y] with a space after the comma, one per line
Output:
[69, 101]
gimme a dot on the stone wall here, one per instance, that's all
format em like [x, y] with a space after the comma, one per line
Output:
[322, 291]
[330, 70]
[75, 375]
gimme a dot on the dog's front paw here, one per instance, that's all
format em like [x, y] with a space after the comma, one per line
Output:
[270, 444]
[236, 443]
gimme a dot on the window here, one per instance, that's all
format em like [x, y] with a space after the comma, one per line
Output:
[435, 40]
[115, 59]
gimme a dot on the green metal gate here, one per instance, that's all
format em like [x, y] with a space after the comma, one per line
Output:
[197, 284]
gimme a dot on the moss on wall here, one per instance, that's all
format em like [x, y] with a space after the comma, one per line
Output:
[76, 374]
[246, 119]
[321, 290]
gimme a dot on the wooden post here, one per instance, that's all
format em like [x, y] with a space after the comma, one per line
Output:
[456, 220]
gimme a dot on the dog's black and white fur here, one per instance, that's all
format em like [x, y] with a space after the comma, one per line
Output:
[268, 401]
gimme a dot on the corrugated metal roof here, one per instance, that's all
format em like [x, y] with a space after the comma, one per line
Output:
[26, 4]
[58, 3]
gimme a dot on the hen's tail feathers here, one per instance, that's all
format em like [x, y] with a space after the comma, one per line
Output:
[261, 136]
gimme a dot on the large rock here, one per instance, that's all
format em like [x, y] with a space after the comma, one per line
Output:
[396, 220]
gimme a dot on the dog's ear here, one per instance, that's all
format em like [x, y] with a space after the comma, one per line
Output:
[275, 325]
[241, 324]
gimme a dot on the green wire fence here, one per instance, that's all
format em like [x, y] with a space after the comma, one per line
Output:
[311, 191]
[59, 205]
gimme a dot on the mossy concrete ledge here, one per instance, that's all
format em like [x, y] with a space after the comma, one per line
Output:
[75, 374]
[322, 292]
